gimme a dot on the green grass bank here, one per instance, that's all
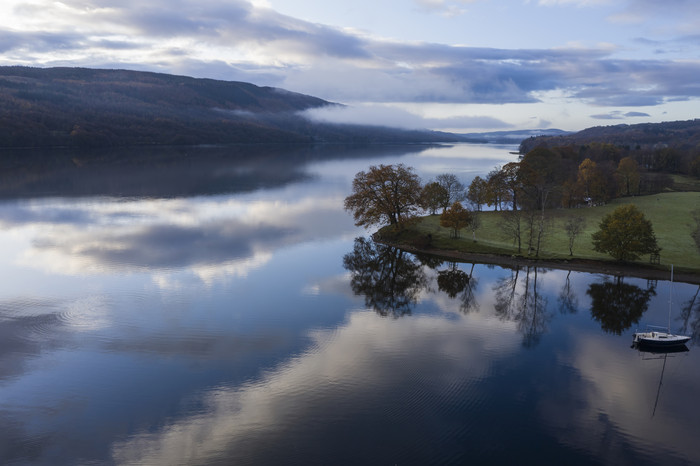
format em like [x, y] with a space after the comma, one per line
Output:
[669, 213]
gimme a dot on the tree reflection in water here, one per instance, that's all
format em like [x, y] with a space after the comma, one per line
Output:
[454, 282]
[690, 316]
[618, 305]
[525, 305]
[388, 277]
[568, 302]
[391, 281]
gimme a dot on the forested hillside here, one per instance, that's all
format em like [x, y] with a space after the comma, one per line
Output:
[87, 107]
[677, 134]
[670, 147]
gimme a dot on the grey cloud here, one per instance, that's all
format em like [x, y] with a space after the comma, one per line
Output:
[607, 116]
[28, 43]
[234, 23]
[342, 66]
[637, 114]
[642, 83]
[39, 41]
[618, 115]
[467, 75]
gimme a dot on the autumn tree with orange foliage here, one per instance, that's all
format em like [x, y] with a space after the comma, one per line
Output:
[386, 193]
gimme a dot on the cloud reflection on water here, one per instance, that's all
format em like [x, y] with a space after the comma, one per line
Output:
[345, 373]
[614, 402]
[165, 235]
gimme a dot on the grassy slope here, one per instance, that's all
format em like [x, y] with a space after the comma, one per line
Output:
[668, 212]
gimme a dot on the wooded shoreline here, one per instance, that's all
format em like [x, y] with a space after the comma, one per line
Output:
[618, 269]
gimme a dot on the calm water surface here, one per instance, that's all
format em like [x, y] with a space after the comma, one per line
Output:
[217, 306]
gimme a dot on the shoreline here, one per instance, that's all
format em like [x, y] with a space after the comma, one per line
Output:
[576, 265]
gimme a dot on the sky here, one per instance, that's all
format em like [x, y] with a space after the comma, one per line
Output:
[454, 65]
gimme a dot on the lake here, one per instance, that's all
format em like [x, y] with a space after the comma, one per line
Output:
[216, 305]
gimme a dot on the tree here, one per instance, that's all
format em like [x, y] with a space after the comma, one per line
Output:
[385, 193]
[497, 191]
[625, 234]
[477, 192]
[456, 217]
[433, 196]
[511, 226]
[572, 194]
[592, 181]
[696, 229]
[540, 174]
[510, 174]
[475, 224]
[455, 189]
[574, 226]
[628, 176]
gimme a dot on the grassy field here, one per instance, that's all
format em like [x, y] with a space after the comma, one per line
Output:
[669, 214]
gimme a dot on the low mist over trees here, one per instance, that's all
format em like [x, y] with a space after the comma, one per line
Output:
[80, 107]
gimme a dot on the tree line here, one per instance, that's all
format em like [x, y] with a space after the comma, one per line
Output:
[670, 147]
[523, 191]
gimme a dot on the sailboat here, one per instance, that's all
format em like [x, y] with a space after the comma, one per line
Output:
[660, 337]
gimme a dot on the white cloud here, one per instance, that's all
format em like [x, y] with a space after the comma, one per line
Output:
[578, 3]
[240, 40]
[381, 115]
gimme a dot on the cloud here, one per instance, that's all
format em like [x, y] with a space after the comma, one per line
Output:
[637, 114]
[673, 16]
[618, 115]
[578, 3]
[444, 7]
[377, 115]
[242, 41]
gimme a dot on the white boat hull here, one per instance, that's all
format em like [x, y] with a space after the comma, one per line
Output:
[662, 339]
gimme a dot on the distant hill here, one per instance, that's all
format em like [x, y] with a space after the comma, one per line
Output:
[675, 134]
[78, 107]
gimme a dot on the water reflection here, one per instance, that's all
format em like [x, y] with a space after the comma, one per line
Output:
[391, 281]
[119, 345]
[690, 317]
[525, 304]
[568, 301]
[618, 305]
[454, 282]
[389, 278]
[168, 172]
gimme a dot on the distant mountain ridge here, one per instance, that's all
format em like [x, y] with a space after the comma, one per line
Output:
[677, 134]
[48, 107]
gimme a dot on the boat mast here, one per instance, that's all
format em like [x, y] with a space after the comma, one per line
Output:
[670, 299]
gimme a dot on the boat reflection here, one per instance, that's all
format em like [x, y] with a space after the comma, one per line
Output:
[659, 353]
[647, 352]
